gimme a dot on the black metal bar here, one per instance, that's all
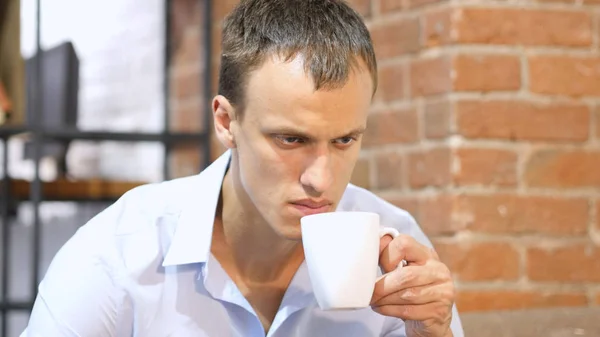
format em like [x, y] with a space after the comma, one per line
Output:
[206, 109]
[71, 134]
[86, 199]
[167, 87]
[36, 186]
[9, 306]
[9, 130]
[66, 134]
[4, 204]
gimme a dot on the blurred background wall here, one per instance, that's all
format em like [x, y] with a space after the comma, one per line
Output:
[120, 46]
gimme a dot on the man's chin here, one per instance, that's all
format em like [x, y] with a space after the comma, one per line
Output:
[289, 228]
[290, 234]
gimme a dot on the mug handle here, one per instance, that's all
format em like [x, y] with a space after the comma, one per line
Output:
[393, 232]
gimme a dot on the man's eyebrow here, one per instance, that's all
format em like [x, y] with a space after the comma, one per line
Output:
[299, 133]
[355, 132]
[287, 131]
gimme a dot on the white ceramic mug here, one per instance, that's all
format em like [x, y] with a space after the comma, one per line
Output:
[342, 254]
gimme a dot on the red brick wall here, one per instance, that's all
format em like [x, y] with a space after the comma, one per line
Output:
[187, 71]
[486, 127]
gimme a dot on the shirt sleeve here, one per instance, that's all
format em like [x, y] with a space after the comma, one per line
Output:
[80, 293]
[396, 327]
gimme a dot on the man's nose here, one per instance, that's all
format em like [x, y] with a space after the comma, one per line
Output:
[318, 176]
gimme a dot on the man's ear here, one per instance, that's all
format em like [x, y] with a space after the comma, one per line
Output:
[224, 114]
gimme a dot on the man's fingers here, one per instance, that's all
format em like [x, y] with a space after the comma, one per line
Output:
[435, 312]
[403, 247]
[384, 242]
[434, 272]
[407, 277]
[416, 295]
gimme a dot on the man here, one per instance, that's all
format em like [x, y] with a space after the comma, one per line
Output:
[220, 254]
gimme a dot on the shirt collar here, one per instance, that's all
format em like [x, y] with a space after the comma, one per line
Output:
[193, 234]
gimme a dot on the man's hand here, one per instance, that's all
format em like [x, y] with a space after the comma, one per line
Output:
[420, 293]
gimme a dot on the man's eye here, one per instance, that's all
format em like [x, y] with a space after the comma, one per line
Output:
[345, 140]
[289, 140]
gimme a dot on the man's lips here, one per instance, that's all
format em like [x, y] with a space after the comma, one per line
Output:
[310, 206]
[311, 203]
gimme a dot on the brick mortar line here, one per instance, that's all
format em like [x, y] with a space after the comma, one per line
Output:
[590, 291]
[450, 50]
[375, 151]
[586, 192]
[396, 193]
[479, 191]
[404, 58]
[592, 127]
[596, 30]
[528, 239]
[373, 172]
[526, 97]
[532, 145]
[420, 106]
[413, 148]
[375, 11]
[364, 155]
[436, 99]
[573, 52]
[593, 231]
[419, 55]
[406, 76]
[404, 13]
[193, 101]
[420, 110]
[473, 190]
[405, 178]
[383, 107]
[583, 52]
[523, 152]
[516, 49]
[453, 120]
[183, 69]
[529, 286]
[379, 18]
[522, 251]
[192, 29]
[595, 114]
[523, 155]
[516, 239]
[522, 242]
[388, 62]
[595, 294]
[521, 96]
[387, 148]
[517, 5]
[524, 68]
[459, 142]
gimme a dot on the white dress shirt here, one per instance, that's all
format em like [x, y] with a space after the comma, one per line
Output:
[143, 268]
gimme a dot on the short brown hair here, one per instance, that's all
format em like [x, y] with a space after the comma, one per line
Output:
[328, 34]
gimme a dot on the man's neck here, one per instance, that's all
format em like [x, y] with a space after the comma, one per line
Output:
[243, 240]
[259, 261]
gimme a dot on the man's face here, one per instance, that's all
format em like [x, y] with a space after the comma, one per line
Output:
[296, 147]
